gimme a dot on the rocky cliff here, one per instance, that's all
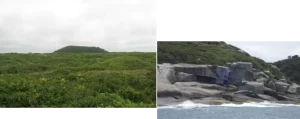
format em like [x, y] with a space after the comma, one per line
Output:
[213, 83]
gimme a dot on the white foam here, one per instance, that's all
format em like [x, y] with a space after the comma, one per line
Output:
[189, 104]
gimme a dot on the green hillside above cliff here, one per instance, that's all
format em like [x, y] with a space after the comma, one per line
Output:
[214, 53]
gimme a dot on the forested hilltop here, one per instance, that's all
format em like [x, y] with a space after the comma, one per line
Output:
[80, 49]
[215, 53]
[290, 67]
[78, 79]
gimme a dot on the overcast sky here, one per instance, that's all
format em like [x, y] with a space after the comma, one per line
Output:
[47, 25]
[269, 51]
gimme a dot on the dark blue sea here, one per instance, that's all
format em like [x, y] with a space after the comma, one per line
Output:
[264, 110]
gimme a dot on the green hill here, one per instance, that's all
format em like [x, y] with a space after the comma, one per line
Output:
[78, 80]
[290, 67]
[80, 49]
[215, 53]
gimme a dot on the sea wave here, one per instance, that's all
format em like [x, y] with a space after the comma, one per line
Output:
[189, 104]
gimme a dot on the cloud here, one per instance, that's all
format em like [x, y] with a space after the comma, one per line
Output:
[270, 51]
[47, 25]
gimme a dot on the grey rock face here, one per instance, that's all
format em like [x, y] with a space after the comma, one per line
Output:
[282, 87]
[238, 70]
[242, 65]
[200, 70]
[256, 87]
[249, 76]
[270, 92]
[184, 77]
[294, 89]
[261, 75]
[271, 85]
[165, 90]
[200, 85]
[222, 74]
[165, 74]
[264, 80]
[196, 92]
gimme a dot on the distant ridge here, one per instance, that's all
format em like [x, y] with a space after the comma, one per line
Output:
[80, 49]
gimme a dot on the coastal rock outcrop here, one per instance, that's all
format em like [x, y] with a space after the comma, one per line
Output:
[236, 83]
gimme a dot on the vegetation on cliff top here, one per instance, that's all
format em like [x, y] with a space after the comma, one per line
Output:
[214, 53]
[78, 80]
[290, 67]
[80, 49]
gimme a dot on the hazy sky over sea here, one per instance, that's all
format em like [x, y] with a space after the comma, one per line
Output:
[269, 51]
[47, 25]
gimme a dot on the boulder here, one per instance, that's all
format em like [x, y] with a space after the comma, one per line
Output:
[271, 85]
[282, 87]
[260, 75]
[165, 73]
[198, 70]
[232, 88]
[283, 97]
[242, 65]
[294, 89]
[270, 92]
[228, 96]
[200, 85]
[256, 87]
[185, 77]
[166, 90]
[249, 76]
[222, 74]
[196, 92]
[264, 80]
[237, 74]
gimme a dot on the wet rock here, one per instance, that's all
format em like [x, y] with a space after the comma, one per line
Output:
[267, 97]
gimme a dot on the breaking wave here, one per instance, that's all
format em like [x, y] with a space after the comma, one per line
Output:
[189, 104]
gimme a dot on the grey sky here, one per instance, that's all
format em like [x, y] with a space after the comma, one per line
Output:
[47, 25]
[269, 51]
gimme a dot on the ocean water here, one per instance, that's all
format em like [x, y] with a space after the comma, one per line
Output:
[264, 110]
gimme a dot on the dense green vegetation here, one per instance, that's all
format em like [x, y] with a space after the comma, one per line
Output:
[215, 53]
[78, 80]
[80, 49]
[290, 67]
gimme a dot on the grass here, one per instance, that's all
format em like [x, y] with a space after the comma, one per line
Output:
[78, 80]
